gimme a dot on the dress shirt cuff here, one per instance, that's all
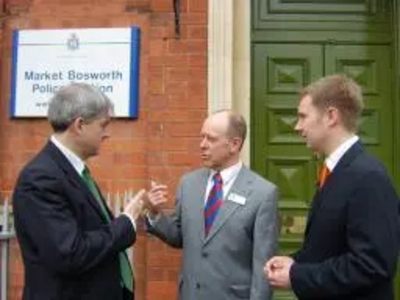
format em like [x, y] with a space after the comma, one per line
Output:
[152, 220]
[132, 220]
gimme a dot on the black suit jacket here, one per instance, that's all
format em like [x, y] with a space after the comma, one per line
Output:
[351, 242]
[69, 249]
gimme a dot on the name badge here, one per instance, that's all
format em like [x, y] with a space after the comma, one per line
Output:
[237, 198]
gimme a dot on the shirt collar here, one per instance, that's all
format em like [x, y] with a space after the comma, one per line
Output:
[332, 160]
[228, 174]
[75, 161]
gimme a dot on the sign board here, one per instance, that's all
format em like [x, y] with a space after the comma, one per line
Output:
[45, 60]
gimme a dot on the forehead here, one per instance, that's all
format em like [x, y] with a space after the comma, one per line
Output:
[217, 124]
[306, 104]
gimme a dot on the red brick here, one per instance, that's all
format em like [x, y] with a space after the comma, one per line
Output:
[183, 159]
[197, 46]
[170, 60]
[172, 115]
[177, 74]
[197, 6]
[194, 18]
[188, 130]
[197, 87]
[162, 6]
[162, 290]
[158, 32]
[162, 19]
[158, 47]
[155, 158]
[127, 129]
[156, 102]
[177, 88]
[178, 46]
[197, 32]
[156, 86]
[195, 101]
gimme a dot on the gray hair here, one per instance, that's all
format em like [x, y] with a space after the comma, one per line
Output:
[77, 100]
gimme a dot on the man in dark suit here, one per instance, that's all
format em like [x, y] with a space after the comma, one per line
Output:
[351, 240]
[225, 219]
[72, 246]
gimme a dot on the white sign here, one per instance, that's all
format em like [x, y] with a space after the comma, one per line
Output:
[46, 60]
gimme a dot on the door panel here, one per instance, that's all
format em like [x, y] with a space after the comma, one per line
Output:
[369, 65]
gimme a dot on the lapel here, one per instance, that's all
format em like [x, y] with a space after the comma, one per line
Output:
[197, 207]
[240, 187]
[330, 183]
[73, 177]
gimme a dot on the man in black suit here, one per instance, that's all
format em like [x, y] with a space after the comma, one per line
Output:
[72, 246]
[351, 240]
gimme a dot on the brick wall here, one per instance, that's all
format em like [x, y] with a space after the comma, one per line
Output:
[161, 145]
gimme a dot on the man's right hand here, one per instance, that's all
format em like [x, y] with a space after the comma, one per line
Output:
[156, 197]
[135, 205]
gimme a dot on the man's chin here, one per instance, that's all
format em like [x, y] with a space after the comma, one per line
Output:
[309, 146]
[93, 153]
[314, 150]
[206, 164]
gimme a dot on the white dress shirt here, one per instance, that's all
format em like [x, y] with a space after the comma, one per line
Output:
[332, 160]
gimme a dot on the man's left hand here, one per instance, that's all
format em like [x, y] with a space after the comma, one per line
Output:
[277, 271]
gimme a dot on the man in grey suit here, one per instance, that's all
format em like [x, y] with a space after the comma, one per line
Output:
[225, 219]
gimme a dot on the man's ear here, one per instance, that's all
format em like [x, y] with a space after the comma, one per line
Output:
[333, 116]
[77, 125]
[236, 144]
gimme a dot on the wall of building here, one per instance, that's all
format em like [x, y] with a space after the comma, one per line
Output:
[161, 145]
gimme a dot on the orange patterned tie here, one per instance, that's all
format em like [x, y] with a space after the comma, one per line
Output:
[323, 175]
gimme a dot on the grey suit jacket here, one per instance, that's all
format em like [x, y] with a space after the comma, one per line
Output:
[228, 263]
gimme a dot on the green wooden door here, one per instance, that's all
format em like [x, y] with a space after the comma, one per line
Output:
[279, 71]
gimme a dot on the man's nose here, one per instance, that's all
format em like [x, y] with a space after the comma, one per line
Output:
[203, 144]
[297, 127]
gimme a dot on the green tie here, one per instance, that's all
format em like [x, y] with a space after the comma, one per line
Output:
[126, 270]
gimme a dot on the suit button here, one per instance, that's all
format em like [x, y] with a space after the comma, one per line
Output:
[197, 285]
[204, 254]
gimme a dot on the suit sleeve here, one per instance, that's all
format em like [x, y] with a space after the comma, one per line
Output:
[372, 245]
[168, 227]
[296, 255]
[265, 244]
[45, 221]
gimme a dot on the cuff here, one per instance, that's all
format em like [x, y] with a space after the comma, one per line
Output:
[152, 220]
[131, 219]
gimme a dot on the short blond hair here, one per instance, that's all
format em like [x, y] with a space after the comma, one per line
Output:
[341, 92]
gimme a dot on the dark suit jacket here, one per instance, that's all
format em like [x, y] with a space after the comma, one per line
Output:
[68, 248]
[351, 241]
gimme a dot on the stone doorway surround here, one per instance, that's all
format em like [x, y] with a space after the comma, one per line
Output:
[229, 60]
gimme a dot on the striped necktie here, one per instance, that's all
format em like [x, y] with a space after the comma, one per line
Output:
[214, 202]
[125, 266]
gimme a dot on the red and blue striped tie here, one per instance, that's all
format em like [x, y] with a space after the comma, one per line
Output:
[214, 202]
